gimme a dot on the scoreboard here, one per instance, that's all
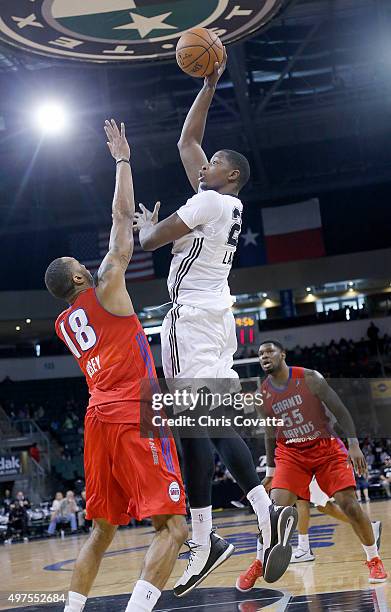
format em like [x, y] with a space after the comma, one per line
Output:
[247, 328]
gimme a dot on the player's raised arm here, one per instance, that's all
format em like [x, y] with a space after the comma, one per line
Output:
[111, 287]
[319, 387]
[189, 145]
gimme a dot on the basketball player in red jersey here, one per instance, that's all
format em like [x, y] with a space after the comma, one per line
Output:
[126, 475]
[305, 446]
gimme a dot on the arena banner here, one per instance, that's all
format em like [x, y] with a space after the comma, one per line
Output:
[10, 465]
[125, 30]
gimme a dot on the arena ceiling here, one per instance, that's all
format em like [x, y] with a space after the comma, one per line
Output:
[307, 98]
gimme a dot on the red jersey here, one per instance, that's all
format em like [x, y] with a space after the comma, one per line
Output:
[304, 415]
[112, 352]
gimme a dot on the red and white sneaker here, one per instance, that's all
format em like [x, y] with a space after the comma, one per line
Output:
[246, 581]
[377, 573]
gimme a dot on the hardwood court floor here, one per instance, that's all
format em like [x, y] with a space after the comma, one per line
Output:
[337, 580]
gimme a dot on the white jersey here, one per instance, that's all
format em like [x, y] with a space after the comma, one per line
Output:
[202, 259]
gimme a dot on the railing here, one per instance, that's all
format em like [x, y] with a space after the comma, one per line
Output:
[37, 477]
[29, 429]
[6, 427]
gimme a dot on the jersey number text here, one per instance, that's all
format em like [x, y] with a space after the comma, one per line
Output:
[84, 334]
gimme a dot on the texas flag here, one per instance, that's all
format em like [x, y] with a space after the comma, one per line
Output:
[293, 232]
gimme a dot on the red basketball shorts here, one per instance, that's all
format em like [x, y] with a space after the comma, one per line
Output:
[326, 459]
[128, 476]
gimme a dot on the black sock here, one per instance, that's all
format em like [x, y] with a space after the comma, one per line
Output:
[199, 467]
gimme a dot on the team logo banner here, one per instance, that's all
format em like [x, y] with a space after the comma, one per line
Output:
[125, 30]
[10, 465]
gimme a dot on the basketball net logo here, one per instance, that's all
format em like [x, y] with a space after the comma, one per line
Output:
[149, 595]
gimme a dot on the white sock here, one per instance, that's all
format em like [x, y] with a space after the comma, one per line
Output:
[144, 597]
[304, 541]
[75, 602]
[259, 550]
[201, 524]
[260, 502]
[371, 551]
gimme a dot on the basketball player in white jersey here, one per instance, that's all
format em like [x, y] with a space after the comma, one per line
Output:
[199, 337]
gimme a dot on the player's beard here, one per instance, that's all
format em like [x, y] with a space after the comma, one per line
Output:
[272, 368]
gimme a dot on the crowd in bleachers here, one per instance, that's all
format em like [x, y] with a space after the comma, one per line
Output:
[20, 520]
[370, 357]
[378, 457]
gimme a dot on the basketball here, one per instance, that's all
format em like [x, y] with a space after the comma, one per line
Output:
[197, 52]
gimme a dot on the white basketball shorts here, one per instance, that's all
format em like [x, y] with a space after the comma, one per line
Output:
[199, 345]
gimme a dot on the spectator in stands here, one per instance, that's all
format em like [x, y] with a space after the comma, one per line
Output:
[7, 500]
[17, 520]
[56, 503]
[22, 413]
[68, 423]
[55, 425]
[333, 349]
[385, 477]
[370, 458]
[39, 413]
[35, 453]
[83, 523]
[362, 488]
[220, 472]
[65, 514]
[23, 501]
[297, 352]
[373, 335]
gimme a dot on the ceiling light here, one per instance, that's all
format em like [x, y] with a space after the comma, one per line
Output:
[50, 118]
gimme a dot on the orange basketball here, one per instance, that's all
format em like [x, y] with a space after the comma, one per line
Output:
[198, 50]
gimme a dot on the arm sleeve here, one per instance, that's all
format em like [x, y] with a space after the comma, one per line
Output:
[205, 207]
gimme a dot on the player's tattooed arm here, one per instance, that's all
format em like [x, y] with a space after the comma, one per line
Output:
[111, 286]
[154, 234]
[319, 387]
[190, 143]
[123, 207]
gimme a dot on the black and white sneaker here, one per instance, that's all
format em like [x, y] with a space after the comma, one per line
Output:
[283, 521]
[203, 560]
